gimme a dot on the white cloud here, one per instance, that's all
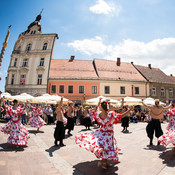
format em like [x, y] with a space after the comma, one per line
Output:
[105, 8]
[89, 46]
[160, 52]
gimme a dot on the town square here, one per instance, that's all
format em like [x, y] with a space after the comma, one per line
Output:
[87, 87]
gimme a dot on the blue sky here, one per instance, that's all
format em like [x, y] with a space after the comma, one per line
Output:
[142, 31]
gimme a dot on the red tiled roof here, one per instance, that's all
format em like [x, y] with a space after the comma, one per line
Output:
[76, 69]
[172, 78]
[108, 69]
[154, 75]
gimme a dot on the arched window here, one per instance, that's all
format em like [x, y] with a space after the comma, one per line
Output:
[28, 48]
[45, 46]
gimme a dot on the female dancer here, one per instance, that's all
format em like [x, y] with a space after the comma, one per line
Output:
[59, 133]
[102, 142]
[18, 133]
[36, 121]
[169, 136]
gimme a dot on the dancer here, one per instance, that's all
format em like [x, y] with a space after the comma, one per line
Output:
[102, 142]
[125, 122]
[87, 119]
[36, 121]
[169, 136]
[70, 118]
[59, 133]
[156, 113]
[18, 133]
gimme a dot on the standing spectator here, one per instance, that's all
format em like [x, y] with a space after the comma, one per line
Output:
[23, 116]
[49, 114]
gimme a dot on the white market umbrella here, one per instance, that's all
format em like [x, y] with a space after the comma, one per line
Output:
[47, 98]
[132, 101]
[95, 101]
[7, 96]
[24, 97]
[151, 101]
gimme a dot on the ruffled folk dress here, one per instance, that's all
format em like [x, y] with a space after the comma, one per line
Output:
[18, 133]
[169, 136]
[36, 121]
[101, 142]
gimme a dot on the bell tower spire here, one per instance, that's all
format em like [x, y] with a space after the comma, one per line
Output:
[34, 27]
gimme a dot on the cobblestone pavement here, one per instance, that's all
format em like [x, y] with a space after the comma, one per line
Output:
[41, 157]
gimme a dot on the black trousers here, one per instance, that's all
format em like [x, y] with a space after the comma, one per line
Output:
[154, 125]
[59, 133]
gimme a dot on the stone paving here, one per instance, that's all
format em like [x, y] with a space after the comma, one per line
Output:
[41, 157]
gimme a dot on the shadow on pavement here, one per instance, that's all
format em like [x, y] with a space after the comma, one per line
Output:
[52, 149]
[90, 167]
[6, 147]
[35, 132]
[156, 147]
[168, 158]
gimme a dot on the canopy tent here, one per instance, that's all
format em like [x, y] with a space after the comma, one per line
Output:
[94, 101]
[132, 101]
[151, 101]
[48, 99]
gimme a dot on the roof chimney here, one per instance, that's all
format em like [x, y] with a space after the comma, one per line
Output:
[149, 65]
[171, 75]
[132, 62]
[71, 58]
[118, 62]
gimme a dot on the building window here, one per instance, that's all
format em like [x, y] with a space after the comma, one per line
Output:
[94, 89]
[153, 91]
[28, 48]
[81, 89]
[70, 89]
[122, 89]
[137, 90]
[22, 79]
[171, 92]
[33, 32]
[61, 89]
[15, 62]
[45, 46]
[162, 92]
[41, 62]
[107, 89]
[25, 62]
[39, 79]
[13, 79]
[53, 89]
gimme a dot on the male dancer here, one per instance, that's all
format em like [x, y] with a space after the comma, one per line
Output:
[156, 113]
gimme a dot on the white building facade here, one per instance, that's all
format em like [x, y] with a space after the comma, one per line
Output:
[30, 61]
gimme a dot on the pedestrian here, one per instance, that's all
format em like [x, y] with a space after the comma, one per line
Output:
[169, 136]
[59, 133]
[18, 134]
[102, 142]
[156, 113]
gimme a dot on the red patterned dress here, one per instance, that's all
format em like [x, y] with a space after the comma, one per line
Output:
[18, 133]
[169, 136]
[36, 121]
[101, 142]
